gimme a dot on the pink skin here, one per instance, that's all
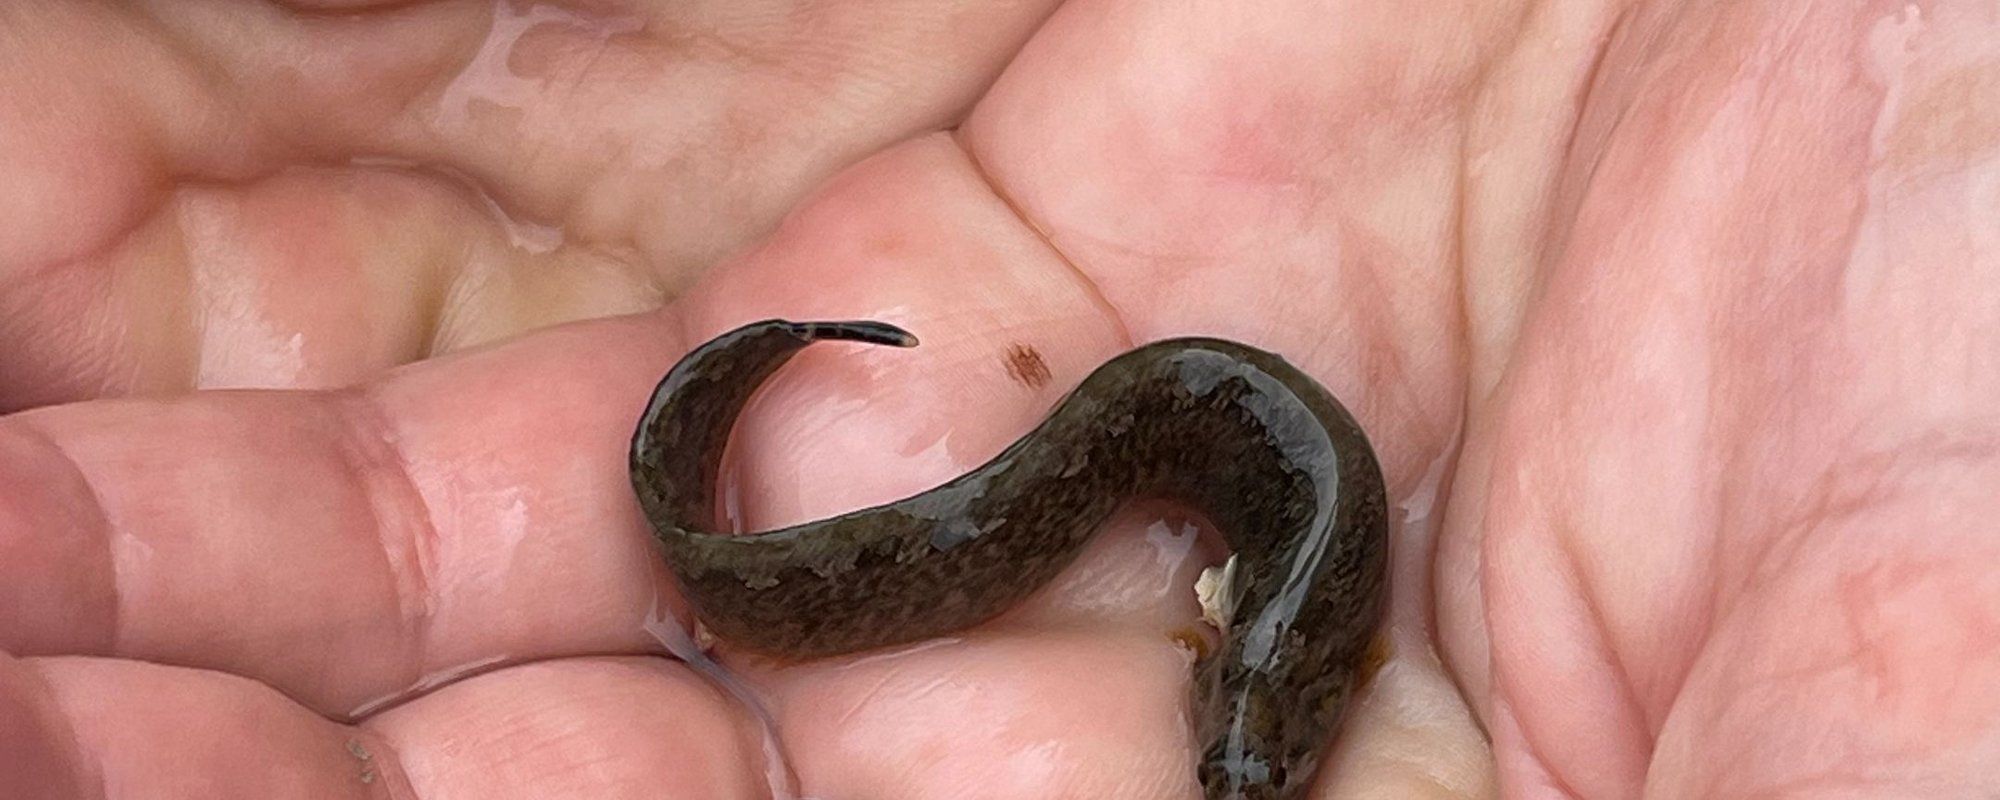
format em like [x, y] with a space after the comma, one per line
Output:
[1679, 319]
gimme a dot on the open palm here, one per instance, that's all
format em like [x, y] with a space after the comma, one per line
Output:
[1673, 324]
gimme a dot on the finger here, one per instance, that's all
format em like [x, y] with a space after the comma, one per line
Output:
[41, 758]
[342, 546]
[161, 231]
[127, 729]
[588, 728]
[623, 727]
[998, 715]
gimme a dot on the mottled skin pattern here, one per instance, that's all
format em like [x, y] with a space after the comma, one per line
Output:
[1274, 461]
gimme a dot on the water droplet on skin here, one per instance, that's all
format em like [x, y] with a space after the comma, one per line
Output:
[489, 80]
[672, 635]
[430, 680]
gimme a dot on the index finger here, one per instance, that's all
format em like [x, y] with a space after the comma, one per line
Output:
[341, 545]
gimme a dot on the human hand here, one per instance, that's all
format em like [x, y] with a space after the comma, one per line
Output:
[1683, 295]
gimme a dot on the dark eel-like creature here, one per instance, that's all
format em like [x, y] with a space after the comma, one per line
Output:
[1277, 465]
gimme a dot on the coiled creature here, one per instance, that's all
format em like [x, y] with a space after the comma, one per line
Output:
[1277, 464]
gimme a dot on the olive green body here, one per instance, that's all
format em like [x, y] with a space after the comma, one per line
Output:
[1266, 453]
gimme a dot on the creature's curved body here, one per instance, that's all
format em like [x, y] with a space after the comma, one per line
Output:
[1273, 460]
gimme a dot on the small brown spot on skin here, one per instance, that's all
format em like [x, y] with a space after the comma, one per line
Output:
[1372, 660]
[1192, 640]
[1025, 365]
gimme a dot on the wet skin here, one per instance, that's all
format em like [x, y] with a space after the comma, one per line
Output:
[1708, 293]
[1275, 462]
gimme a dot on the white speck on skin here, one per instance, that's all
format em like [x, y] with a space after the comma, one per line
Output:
[240, 346]
[1215, 590]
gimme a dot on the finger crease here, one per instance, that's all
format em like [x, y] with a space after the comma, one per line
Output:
[115, 542]
[402, 521]
[1094, 292]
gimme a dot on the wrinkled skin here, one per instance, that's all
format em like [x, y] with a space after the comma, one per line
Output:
[1675, 323]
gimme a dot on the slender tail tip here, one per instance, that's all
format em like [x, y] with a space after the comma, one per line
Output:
[864, 331]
